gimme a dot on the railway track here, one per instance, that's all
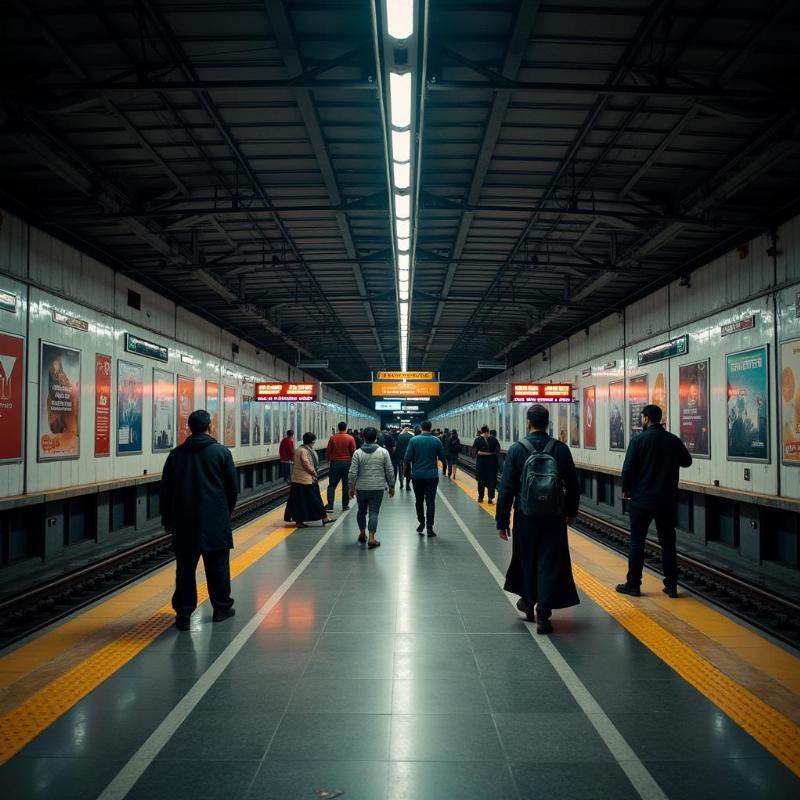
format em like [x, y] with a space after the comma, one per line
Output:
[772, 613]
[42, 605]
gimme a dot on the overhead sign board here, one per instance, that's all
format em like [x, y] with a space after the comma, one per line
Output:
[405, 376]
[540, 393]
[740, 325]
[8, 301]
[285, 392]
[388, 405]
[674, 347]
[141, 347]
[405, 389]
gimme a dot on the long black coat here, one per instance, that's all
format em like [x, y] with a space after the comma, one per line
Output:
[540, 570]
[199, 487]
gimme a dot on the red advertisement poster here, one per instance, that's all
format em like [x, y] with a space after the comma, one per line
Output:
[589, 418]
[12, 349]
[185, 406]
[212, 406]
[229, 415]
[102, 405]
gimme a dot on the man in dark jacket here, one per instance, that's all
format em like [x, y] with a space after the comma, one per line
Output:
[400, 453]
[540, 571]
[199, 486]
[650, 482]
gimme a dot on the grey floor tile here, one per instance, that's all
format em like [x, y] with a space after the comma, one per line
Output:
[656, 696]
[457, 645]
[513, 695]
[346, 642]
[419, 780]
[501, 664]
[444, 737]
[571, 780]
[361, 623]
[46, 778]
[232, 697]
[429, 623]
[332, 737]
[281, 779]
[436, 695]
[200, 780]
[631, 667]
[361, 664]
[342, 695]
[420, 665]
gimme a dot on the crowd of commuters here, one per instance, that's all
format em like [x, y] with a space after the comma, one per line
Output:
[539, 483]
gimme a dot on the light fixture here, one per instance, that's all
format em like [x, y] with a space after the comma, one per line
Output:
[400, 99]
[402, 174]
[402, 262]
[403, 244]
[400, 18]
[403, 227]
[402, 206]
[401, 145]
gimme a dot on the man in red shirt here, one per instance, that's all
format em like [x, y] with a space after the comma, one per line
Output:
[341, 447]
[286, 455]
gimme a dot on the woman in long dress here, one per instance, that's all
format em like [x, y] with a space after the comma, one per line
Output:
[305, 500]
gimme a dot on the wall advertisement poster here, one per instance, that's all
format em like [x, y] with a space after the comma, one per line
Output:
[747, 374]
[268, 423]
[130, 407]
[693, 408]
[229, 415]
[258, 421]
[660, 395]
[244, 430]
[575, 423]
[589, 418]
[163, 410]
[102, 405]
[563, 422]
[59, 402]
[790, 402]
[185, 406]
[212, 406]
[12, 383]
[638, 398]
[616, 415]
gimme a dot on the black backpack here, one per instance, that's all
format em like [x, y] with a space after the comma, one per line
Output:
[541, 490]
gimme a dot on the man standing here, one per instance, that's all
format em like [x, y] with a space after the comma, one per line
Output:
[650, 482]
[423, 454]
[199, 486]
[540, 482]
[400, 453]
[341, 447]
[286, 455]
[487, 450]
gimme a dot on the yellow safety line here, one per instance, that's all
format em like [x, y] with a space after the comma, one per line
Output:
[771, 729]
[25, 722]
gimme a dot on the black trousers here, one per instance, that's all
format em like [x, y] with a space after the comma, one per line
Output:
[425, 497]
[218, 577]
[640, 519]
[486, 475]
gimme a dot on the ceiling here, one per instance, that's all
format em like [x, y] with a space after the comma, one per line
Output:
[232, 156]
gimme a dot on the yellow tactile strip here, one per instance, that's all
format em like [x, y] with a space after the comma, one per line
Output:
[770, 728]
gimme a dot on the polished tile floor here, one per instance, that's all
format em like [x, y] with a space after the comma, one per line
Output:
[401, 672]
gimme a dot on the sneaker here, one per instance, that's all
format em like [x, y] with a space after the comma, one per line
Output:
[633, 591]
[182, 622]
[544, 626]
[480, 499]
[221, 614]
[420, 527]
[670, 591]
[490, 502]
[431, 532]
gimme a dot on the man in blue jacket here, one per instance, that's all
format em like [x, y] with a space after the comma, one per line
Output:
[423, 454]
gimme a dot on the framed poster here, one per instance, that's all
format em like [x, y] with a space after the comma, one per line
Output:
[185, 406]
[102, 405]
[244, 430]
[59, 402]
[589, 418]
[229, 415]
[130, 407]
[163, 410]
[258, 421]
[268, 423]
[790, 402]
[575, 423]
[638, 398]
[12, 383]
[693, 408]
[212, 406]
[563, 422]
[747, 377]
[616, 415]
[660, 395]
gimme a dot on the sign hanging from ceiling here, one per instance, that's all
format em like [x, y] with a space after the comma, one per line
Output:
[387, 405]
[660, 352]
[540, 393]
[406, 389]
[285, 392]
[405, 376]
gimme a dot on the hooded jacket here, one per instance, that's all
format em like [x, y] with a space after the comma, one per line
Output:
[371, 468]
[199, 486]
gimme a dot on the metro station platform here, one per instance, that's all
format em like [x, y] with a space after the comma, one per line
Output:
[401, 672]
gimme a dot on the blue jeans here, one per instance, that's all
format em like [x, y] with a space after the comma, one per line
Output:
[339, 470]
[368, 500]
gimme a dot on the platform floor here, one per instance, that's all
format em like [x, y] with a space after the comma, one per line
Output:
[402, 672]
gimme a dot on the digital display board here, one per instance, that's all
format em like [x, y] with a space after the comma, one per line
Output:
[405, 389]
[285, 392]
[540, 393]
[388, 405]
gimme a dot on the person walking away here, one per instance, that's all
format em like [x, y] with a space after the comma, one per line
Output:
[486, 449]
[400, 454]
[305, 499]
[199, 486]
[650, 481]
[358, 438]
[341, 447]
[540, 483]
[423, 454]
[286, 455]
[453, 452]
[444, 438]
[370, 472]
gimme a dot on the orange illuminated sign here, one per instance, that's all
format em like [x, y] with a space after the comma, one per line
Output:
[285, 392]
[540, 393]
[405, 376]
[405, 389]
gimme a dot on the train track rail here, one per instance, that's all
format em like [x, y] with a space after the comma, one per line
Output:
[42, 605]
[775, 614]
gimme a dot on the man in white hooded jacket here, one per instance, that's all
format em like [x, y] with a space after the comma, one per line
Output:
[371, 470]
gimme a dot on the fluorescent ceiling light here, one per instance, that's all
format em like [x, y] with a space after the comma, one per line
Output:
[402, 175]
[403, 261]
[403, 293]
[402, 206]
[400, 99]
[403, 227]
[403, 244]
[401, 145]
[400, 18]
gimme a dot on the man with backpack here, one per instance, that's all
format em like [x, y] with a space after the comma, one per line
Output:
[540, 482]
